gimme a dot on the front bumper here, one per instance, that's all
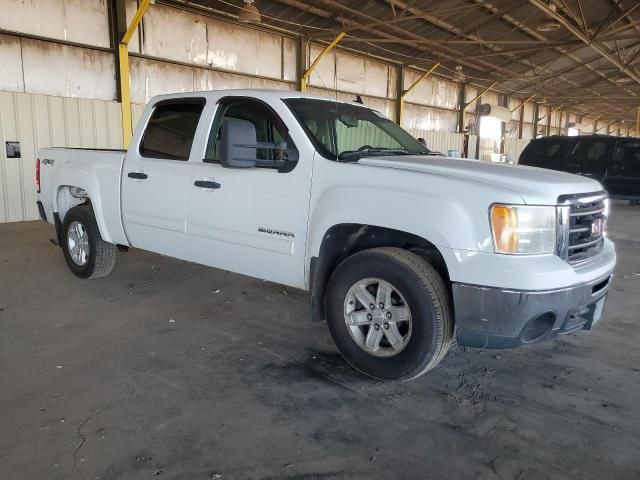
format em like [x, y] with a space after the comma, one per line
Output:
[489, 317]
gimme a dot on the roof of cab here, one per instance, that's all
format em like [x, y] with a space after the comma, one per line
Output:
[264, 94]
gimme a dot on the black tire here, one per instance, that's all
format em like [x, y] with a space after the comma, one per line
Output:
[426, 295]
[102, 255]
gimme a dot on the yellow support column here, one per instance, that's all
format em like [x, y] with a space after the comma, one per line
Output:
[305, 76]
[125, 87]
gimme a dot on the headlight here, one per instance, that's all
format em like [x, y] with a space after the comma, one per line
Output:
[523, 229]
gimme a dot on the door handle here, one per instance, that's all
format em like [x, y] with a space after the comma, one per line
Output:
[137, 175]
[206, 184]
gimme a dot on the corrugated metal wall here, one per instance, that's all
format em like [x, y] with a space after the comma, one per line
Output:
[44, 121]
[513, 147]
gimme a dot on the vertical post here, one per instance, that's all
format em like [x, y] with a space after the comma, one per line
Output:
[462, 92]
[560, 122]
[595, 125]
[302, 63]
[117, 28]
[521, 122]
[638, 122]
[125, 87]
[504, 100]
[399, 92]
[536, 112]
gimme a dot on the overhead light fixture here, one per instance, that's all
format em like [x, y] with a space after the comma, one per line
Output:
[249, 13]
[459, 75]
[548, 24]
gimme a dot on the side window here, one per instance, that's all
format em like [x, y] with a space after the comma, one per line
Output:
[171, 129]
[590, 156]
[626, 159]
[268, 126]
[547, 153]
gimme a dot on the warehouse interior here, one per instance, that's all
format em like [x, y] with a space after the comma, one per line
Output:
[170, 369]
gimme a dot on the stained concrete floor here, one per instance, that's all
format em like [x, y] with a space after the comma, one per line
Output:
[172, 370]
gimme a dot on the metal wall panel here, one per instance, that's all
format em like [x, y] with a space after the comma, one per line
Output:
[54, 69]
[82, 21]
[432, 91]
[387, 107]
[428, 119]
[150, 78]
[513, 147]
[10, 64]
[175, 35]
[440, 141]
[38, 121]
[351, 73]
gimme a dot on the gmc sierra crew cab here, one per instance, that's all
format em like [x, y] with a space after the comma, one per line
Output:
[402, 252]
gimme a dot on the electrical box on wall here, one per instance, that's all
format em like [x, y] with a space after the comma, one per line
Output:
[13, 149]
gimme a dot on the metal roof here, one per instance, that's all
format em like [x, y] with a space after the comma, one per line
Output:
[590, 64]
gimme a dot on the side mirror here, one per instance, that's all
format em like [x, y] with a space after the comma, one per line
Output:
[422, 141]
[238, 144]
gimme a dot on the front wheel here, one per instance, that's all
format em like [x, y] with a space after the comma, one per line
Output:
[388, 313]
[86, 253]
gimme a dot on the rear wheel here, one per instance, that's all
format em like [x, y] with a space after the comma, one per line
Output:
[87, 255]
[388, 313]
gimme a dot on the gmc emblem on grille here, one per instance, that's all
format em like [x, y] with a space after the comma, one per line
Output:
[596, 227]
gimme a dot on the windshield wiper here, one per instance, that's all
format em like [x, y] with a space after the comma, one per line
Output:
[355, 155]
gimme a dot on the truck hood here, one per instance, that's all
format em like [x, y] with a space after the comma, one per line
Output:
[533, 185]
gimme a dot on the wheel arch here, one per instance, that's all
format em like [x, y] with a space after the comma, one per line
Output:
[344, 239]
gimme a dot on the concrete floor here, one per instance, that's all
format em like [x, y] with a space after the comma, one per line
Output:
[171, 370]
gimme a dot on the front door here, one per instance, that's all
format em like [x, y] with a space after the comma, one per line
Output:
[156, 175]
[251, 220]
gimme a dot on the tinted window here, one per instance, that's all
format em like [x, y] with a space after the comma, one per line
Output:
[548, 153]
[589, 156]
[170, 131]
[269, 128]
[626, 160]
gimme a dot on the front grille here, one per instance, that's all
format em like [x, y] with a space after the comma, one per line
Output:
[583, 226]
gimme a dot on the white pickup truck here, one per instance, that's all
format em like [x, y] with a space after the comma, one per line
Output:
[403, 252]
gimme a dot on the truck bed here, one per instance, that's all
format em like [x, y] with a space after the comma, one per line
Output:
[97, 171]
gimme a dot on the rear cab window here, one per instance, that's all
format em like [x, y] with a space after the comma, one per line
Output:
[172, 128]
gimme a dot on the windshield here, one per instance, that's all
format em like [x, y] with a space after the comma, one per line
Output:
[345, 132]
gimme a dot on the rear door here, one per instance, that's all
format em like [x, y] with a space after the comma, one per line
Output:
[155, 178]
[623, 174]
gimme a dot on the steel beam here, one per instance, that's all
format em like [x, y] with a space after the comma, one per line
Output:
[481, 93]
[550, 112]
[125, 86]
[305, 76]
[408, 90]
[521, 104]
[580, 35]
